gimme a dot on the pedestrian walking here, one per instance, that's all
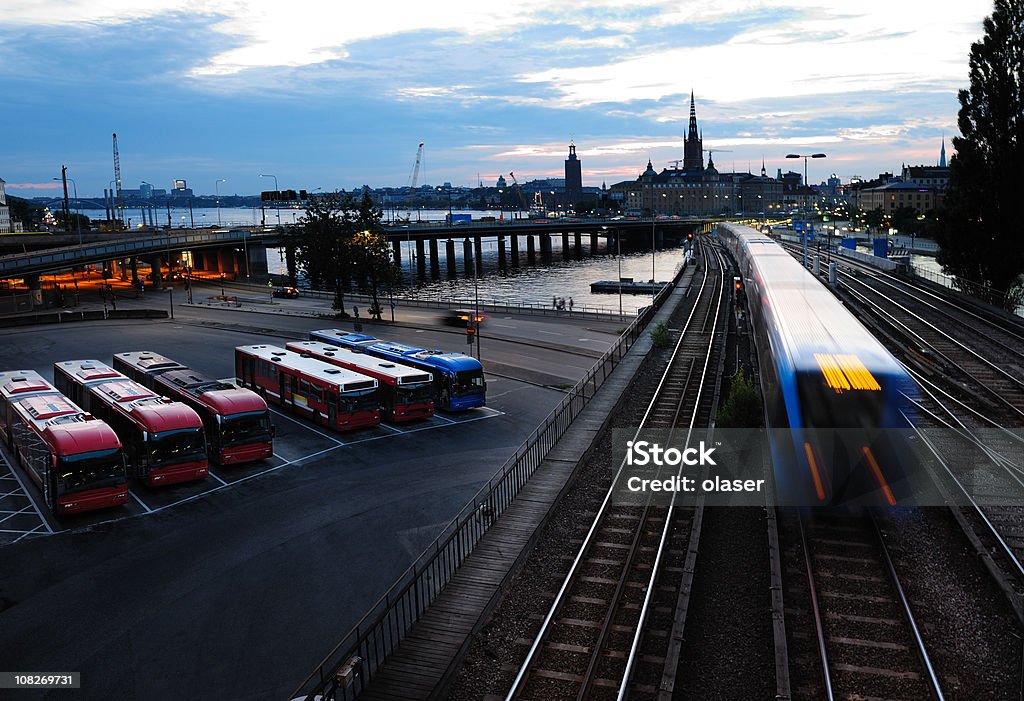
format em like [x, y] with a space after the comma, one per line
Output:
[355, 310]
[570, 304]
[554, 302]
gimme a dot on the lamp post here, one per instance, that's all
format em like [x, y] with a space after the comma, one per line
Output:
[805, 157]
[277, 195]
[114, 212]
[78, 221]
[216, 188]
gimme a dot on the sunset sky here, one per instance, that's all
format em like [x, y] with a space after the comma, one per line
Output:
[337, 95]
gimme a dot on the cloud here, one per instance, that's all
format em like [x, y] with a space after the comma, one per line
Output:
[33, 186]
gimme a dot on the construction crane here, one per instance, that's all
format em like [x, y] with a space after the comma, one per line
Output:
[710, 151]
[676, 162]
[119, 202]
[520, 197]
[414, 179]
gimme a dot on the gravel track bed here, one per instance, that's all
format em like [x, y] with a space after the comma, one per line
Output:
[969, 629]
[494, 656]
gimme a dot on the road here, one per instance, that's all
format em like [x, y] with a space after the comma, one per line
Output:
[239, 593]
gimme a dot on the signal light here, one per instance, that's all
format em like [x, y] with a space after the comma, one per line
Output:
[470, 332]
[689, 235]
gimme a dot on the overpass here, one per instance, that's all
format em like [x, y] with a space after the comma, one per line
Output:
[220, 249]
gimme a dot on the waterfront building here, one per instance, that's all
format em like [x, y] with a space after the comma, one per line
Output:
[5, 212]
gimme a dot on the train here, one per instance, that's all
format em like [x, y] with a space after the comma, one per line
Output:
[838, 406]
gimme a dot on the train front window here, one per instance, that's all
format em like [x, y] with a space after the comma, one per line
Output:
[469, 382]
[101, 468]
[821, 406]
[250, 427]
[173, 447]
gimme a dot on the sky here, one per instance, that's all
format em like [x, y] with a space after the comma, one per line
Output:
[327, 94]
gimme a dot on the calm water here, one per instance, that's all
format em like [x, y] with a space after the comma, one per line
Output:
[525, 285]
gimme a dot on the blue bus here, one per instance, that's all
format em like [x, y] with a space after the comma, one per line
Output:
[458, 379]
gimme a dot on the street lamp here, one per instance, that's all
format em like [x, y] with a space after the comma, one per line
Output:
[78, 220]
[805, 157]
[216, 188]
[277, 195]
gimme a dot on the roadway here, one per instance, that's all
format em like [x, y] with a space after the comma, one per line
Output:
[236, 593]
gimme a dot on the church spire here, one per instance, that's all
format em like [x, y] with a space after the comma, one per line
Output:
[942, 153]
[763, 171]
[693, 153]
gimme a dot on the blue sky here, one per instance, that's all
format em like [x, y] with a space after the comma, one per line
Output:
[337, 95]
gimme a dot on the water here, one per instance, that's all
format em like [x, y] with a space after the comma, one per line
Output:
[525, 285]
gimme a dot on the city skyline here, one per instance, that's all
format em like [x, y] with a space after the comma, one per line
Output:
[332, 98]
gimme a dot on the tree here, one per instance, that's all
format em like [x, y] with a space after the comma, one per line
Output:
[742, 408]
[371, 254]
[978, 232]
[323, 252]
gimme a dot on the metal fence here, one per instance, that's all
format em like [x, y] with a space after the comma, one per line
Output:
[350, 667]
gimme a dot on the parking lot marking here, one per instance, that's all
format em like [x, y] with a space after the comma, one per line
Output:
[141, 503]
[308, 428]
[12, 514]
[391, 428]
[213, 474]
[28, 495]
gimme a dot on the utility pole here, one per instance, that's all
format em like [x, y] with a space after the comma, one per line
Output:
[67, 207]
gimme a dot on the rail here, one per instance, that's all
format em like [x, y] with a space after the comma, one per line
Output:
[352, 664]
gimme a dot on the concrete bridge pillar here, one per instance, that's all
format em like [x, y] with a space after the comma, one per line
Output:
[501, 253]
[478, 245]
[435, 264]
[123, 265]
[135, 270]
[531, 252]
[513, 241]
[257, 261]
[577, 246]
[226, 261]
[467, 257]
[396, 251]
[421, 259]
[545, 248]
[35, 288]
[659, 238]
[290, 266]
[593, 244]
[156, 265]
[565, 245]
[449, 254]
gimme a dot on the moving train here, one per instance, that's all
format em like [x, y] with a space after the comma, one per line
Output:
[837, 403]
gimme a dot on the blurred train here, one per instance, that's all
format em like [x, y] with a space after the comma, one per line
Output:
[837, 403]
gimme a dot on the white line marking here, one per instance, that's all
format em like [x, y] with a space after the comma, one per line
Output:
[391, 428]
[212, 474]
[28, 494]
[27, 533]
[141, 503]
[445, 418]
[549, 333]
[307, 427]
[12, 514]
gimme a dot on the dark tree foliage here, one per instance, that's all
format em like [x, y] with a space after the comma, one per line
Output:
[323, 252]
[341, 241]
[979, 230]
[742, 408]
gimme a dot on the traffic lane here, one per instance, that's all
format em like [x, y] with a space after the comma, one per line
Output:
[239, 595]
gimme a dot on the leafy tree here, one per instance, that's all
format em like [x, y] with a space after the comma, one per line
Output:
[323, 251]
[742, 408]
[371, 254]
[978, 232]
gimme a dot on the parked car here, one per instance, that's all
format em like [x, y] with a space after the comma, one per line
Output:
[287, 292]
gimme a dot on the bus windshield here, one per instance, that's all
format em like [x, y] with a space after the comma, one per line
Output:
[101, 468]
[410, 394]
[181, 445]
[250, 427]
[358, 400]
[469, 382]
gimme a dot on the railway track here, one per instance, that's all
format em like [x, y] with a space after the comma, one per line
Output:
[610, 629]
[866, 643]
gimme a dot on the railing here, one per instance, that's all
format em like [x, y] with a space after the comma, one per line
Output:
[353, 663]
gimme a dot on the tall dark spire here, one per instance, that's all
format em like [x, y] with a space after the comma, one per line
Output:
[693, 153]
[942, 153]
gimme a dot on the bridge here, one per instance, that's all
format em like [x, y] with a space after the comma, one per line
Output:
[233, 251]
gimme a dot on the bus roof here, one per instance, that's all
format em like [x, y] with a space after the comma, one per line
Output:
[149, 362]
[341, 378]
[396, 372]
[87, 371]
[222, 398]
[22, 382]
[454, 362]
[155, 413]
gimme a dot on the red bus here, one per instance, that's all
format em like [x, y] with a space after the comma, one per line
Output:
[237, 420]
[163, 440]
[329, 395]
[74, 458]
[406, 394]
